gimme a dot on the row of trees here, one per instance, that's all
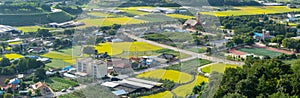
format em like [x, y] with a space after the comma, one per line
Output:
[259, 78]
[250, 24]
[19, 66]
[233, 3]
[240, 40]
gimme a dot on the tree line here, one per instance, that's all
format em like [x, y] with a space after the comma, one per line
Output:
[19, 66]
[269, 78]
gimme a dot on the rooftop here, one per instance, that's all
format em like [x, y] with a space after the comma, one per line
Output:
[4, 28]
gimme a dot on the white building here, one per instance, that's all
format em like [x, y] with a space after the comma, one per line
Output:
[7, 31]
[94, 68]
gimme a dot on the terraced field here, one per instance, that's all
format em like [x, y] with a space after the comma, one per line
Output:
[218, 67]
[110, 21]
[252, 10]
[13, 56]
[166, 94]
[187, 89]
[176, 76]
[118, 48]
[31, 28]
[179, 16]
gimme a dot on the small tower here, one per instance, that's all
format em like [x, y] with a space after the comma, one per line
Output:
[198, 18]
[263, 34]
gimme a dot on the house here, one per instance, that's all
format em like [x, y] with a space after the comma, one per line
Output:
[262, 36]
[169, 57]
[192, 23]
[131, 85]
[297, 37]
[37, 50]
[94, 68]
[68, 24]
[43, 88]
[8, 31]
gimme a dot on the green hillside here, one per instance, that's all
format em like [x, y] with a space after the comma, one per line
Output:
[33, 19]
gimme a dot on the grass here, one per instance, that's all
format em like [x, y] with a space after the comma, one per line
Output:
[176, 76]
[198, 50]
[134, 10]
[293, 61]
[176, 53]
[57, 84]
[74, 51]
[27, 29]
[118, 48]
[60, 56]
[100, 14]
[187, 89]
[110, 21]
[166, 94]
[33, 19]
[13, 56]
[260, 52]
[180, 16]
[218, 67]
[55, 63]
[128, 54]
[252, 10]
[188, 66]
[156, 18]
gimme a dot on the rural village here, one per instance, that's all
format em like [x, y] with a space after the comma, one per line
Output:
[79, 48]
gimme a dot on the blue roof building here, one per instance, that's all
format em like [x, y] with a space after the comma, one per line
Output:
[2, 92]
[258, 34]
[14, 81]
[119, 92]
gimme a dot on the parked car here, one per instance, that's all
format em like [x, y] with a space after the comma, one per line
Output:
[71, 88]
[63, 90]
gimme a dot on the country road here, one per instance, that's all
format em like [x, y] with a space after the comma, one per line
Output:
[193, 54]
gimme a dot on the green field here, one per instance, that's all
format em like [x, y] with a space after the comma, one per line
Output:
[33, 19]
[57, 84]
[253, 10]
[101, 14]
[187, 89]
[156, 18]
[176, 76]
[56, 64]
[74, 51]
[218, 67]
[31, 28]
[188, 66]
[60, 56]
[260, 52]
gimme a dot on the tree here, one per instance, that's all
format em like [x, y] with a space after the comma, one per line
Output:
[209, 50]
[5, 62]
[89, 50]
[40, 73]
[44, 33]
[6, 81]
[7, 95]
[234, 95]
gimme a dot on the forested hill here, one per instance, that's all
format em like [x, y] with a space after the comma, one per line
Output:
[268, 78]
[233, 3]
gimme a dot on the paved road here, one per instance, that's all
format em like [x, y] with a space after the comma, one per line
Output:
[193, 54]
